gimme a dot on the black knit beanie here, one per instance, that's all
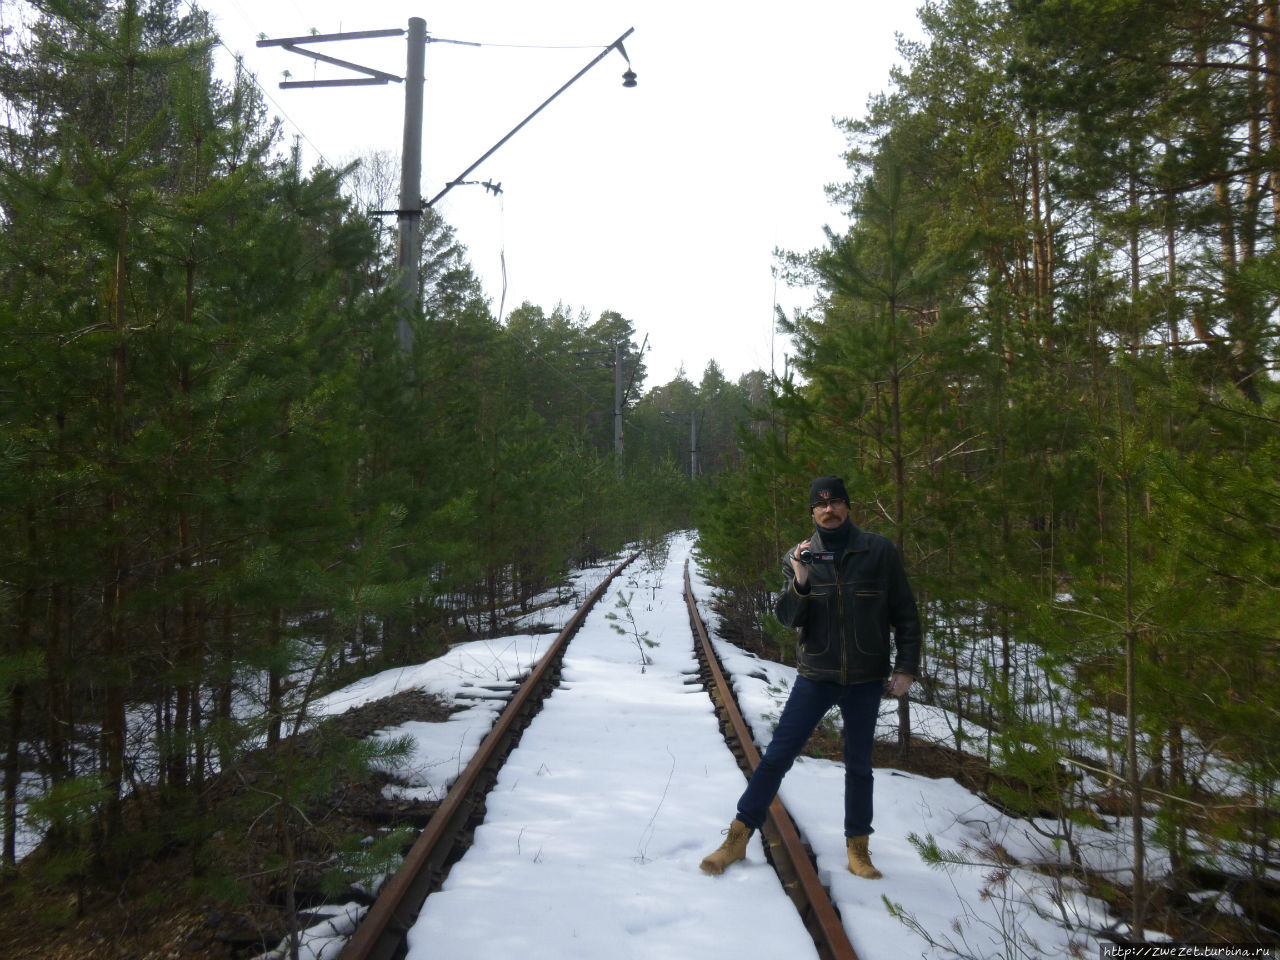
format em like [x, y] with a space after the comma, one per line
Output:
[824, 489]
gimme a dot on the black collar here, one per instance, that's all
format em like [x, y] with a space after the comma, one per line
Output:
[838, 539]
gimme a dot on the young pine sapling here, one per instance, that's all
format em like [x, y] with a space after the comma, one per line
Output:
[626, 626]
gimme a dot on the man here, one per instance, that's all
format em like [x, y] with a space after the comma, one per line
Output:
[845, 588]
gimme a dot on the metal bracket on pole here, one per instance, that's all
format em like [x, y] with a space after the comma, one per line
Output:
[412, 206]
[410, 210]
[293, 45]
[616, 45]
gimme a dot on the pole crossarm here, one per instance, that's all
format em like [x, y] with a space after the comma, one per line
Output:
[378, 75]
[326, 37]
[372, 76]
[354, 82]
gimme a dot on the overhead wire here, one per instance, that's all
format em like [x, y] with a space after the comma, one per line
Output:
[528, 348]
[238, 58]
[523, 46]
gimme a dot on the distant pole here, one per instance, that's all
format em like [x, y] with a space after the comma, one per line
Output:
[617, 403]
[411, 178]
[693, 444]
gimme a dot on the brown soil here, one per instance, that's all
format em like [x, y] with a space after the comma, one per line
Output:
[154, 908]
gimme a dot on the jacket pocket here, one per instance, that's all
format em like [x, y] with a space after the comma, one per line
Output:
[869, 617]
[816, 638]
[866, 592]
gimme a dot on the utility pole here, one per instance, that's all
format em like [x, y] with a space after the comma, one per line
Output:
[620, 394]
[693, 444]
[411, 201]
[617, 404]
[410, 212]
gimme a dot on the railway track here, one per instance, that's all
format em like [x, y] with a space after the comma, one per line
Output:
[382, 933]
[783, 845]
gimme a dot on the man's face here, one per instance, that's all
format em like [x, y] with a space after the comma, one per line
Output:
[830, 514]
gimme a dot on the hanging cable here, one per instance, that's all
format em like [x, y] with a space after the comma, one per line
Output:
[502, 253]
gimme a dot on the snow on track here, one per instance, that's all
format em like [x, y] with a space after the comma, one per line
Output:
[598, 821]
[623, 783]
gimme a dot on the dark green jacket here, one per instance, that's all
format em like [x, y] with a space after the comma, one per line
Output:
[845, 615]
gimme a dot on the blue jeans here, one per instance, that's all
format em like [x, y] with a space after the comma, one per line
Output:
[809, 702]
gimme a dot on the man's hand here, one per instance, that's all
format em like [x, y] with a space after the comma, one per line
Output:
[899, 684]
[801, 569]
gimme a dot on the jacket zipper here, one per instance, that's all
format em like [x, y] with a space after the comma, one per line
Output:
[844, 672]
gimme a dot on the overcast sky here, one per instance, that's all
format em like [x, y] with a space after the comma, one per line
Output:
[664, 202]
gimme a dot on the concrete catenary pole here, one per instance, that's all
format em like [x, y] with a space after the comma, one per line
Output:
[410, 213]
[617, 403]
[693, 444]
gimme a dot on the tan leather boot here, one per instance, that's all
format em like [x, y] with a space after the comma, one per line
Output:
[732, 850]
[860, 859]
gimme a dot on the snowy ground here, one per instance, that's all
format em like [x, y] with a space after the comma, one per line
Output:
[598, 821]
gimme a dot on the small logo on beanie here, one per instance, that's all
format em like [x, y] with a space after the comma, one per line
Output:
[826, 490]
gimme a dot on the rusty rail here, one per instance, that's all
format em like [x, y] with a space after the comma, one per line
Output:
[381, 933]
[790, 857]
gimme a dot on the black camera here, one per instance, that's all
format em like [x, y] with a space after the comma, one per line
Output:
[805, 555]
